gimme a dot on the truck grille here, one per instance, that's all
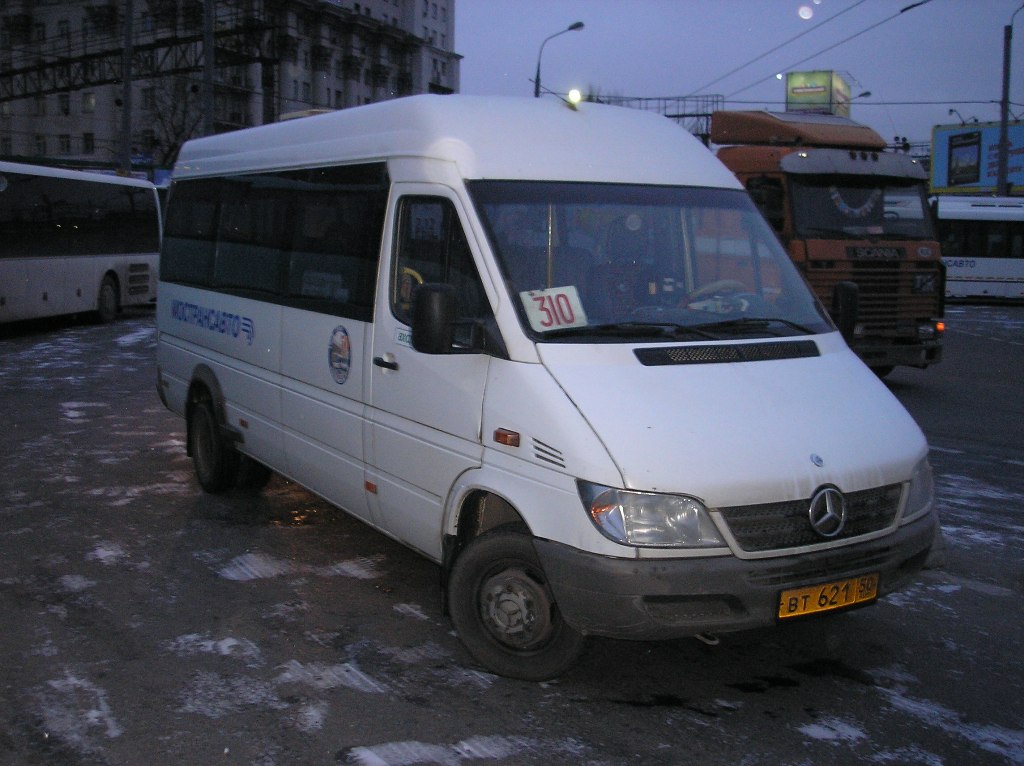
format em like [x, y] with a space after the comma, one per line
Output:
[778, 526]
[893, 295]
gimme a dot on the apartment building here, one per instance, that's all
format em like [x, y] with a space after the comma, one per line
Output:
[64, 65]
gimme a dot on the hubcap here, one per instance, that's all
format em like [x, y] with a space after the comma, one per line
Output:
[516, 609]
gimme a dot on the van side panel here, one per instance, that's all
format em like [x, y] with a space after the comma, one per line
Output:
[322, 405]
[239, 340]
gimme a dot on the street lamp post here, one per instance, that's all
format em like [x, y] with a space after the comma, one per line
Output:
[536, 79]
[1002, 183]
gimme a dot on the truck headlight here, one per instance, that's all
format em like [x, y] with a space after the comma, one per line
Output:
[648, 519]
[921, 496]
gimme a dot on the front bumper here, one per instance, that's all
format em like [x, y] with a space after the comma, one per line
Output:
[880, 352]
[672, 598]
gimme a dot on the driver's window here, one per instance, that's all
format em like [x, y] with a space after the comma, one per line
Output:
[432, 248]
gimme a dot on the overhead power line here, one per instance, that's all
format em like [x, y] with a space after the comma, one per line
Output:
[835, 45]
[817, 26]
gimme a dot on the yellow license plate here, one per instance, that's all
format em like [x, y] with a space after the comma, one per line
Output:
[827, 596]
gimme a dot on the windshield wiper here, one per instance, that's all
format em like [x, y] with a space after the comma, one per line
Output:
[631, 330]
[752, 323]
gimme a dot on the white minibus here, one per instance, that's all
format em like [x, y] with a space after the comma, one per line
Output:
[556, 350]
[72, 241]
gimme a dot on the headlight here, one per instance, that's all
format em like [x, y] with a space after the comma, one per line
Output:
[648, 519]
[922, 492]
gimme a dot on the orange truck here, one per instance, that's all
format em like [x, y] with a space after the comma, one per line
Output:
[848, 212]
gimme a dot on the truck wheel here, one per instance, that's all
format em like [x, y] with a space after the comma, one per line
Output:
[504, 612]
[106, 301]
[215, 459]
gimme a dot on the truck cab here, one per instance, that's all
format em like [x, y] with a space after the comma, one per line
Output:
[847, 210]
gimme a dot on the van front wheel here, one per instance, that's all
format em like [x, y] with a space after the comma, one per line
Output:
[504, 612]
[215, 459]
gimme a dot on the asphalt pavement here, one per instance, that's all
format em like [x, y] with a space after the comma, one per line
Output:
[146, 623]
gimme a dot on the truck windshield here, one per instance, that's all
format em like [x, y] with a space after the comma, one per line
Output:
[587, 262]
[844, 207]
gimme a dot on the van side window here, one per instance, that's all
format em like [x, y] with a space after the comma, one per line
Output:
[190, 232]
[432, 247]
[253, 235]
[303, 238]
[336, 232]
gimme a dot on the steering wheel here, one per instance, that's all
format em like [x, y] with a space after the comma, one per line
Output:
[713, 288]
[408, 281]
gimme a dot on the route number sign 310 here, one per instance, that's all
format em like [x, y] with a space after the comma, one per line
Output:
[554, 309]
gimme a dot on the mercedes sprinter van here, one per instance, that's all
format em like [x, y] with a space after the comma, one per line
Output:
[556, 350]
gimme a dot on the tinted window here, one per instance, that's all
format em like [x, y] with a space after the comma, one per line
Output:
[41, 216]
[307, 238]
[190, 232]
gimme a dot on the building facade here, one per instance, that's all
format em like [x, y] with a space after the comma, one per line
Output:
[64, 65]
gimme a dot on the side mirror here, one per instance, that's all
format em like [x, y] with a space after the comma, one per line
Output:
[845, 306]
[433, 315]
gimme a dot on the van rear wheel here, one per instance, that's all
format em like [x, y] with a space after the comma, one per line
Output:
[214, 458]
[504, 612]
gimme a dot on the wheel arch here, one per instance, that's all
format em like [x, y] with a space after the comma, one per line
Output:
[477, 511]
[204, 387]
[113, 276]
[109, 276]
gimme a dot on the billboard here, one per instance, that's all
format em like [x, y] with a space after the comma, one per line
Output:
[820, 92]
[965, 158]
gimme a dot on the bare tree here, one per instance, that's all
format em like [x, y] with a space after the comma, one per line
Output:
[176, 116]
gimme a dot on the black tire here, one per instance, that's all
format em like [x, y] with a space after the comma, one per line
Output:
[252, 474]
[214, 458]
[106, 301]
[504, 612]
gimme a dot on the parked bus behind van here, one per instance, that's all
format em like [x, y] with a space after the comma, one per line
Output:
[557, 351]
[72, 241]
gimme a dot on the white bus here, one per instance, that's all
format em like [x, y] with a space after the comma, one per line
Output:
[72, 242]
[558, 351]
[982, 241]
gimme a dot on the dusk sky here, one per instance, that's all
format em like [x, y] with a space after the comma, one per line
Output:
[940, 55]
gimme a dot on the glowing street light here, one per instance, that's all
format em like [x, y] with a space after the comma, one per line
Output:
[536, 79]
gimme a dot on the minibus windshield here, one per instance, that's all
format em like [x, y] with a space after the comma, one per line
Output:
[590, 262]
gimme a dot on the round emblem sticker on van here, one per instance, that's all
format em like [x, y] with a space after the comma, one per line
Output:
[339, 354]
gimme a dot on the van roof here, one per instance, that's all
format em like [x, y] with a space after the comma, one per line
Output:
[485, 137]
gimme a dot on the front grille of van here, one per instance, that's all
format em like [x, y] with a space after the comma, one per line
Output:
[778, 526]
